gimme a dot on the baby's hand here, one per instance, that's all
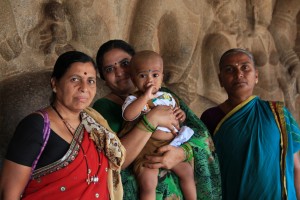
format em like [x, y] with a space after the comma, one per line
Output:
[149, 91]
[180, 114]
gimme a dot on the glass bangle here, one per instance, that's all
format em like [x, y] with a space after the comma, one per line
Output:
[148, 124]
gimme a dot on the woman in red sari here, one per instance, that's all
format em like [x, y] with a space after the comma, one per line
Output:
[66, 150]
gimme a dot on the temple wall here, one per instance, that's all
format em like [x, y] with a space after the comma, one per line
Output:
[191, 35]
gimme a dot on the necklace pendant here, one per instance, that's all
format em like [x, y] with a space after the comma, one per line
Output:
[88, 181]
[95, 179]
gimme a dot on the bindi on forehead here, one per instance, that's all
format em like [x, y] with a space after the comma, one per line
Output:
[85, 73]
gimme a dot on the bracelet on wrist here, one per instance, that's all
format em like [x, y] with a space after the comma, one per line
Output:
[147, 124]
[142, 127]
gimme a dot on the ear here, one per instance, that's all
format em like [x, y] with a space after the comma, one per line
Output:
[220, 80]
[256, 76]
[53, 84]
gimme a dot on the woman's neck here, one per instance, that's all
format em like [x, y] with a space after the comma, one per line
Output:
[231, 103]
[66, 113]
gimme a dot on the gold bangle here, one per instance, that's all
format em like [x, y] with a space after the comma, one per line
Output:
[142, 127]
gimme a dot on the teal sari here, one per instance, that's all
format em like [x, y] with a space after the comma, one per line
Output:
[206, 167]
[255, 143]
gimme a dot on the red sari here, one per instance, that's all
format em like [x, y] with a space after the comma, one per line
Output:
[67, 176]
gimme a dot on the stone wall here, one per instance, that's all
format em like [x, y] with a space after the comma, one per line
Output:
[189, 34]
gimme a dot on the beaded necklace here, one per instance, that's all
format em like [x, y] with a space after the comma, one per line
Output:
[90, 179]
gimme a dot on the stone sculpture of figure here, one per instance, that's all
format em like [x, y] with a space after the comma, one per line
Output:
[94, 22]
[222, 35]
[284, 30]
[259, 40]
[51, 34]
[10, 41]
[173, 31]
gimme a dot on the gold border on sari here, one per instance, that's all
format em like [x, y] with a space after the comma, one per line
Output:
[277, 109]
[70, 155]
[233, 111]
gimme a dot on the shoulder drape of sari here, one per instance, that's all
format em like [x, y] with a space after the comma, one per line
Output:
[57, 178]
[248, 142]
[66, 178]
[106, 139]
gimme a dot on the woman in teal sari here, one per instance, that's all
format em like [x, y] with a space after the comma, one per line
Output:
[257, 141]
[113, 58]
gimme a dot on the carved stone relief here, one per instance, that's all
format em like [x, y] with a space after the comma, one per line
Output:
[51, 35]
[10, 41]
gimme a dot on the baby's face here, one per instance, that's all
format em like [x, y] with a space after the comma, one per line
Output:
[147, 73]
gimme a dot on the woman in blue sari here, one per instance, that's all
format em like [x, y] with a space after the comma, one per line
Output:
[257, 141]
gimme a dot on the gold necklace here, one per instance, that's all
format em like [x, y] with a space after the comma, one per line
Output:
[90, 179]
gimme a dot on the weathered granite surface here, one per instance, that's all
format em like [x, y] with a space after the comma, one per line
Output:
[189, 34]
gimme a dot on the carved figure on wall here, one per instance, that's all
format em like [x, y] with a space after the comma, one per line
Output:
[222, 35]
[284, 31]
[297, 41]
[10, 41]
[176, 42]
[259, 40]
[88, 26]
[52, 34]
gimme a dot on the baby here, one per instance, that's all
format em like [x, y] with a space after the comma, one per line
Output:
[146, 68]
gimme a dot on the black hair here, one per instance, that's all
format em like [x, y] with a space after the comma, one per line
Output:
[65, 60]
[109, 45]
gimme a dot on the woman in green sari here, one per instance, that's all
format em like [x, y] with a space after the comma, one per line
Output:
[113, 59]
[257, 141]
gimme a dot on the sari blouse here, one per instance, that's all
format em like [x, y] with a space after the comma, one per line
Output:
[67, 176]
[94, 148]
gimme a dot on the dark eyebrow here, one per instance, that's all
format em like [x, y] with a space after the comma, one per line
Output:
[124, 59]
[107, 66]
[246, 63]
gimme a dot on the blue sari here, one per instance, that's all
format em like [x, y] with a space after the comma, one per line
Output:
[252, 150]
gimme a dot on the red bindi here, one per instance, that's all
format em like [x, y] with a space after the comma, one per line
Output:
[85, 73]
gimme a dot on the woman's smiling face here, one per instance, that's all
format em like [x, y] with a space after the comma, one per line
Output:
[116, 71]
